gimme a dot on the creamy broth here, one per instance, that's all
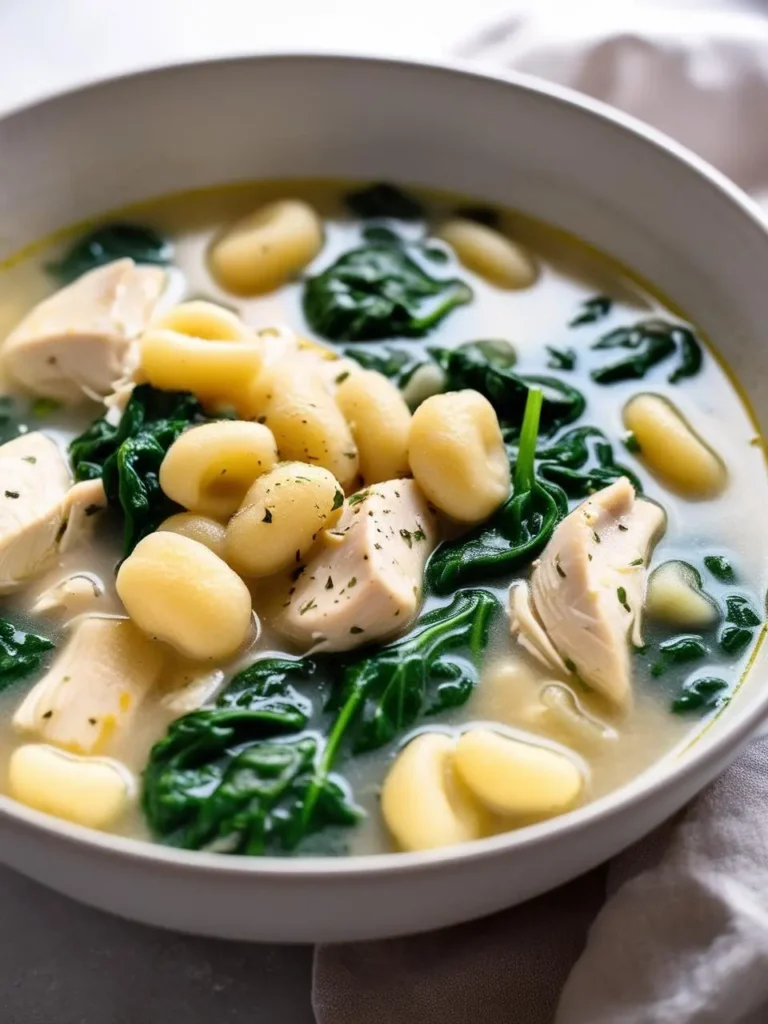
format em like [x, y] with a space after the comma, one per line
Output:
[570, 273]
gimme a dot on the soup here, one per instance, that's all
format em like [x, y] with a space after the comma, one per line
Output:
[349, 519]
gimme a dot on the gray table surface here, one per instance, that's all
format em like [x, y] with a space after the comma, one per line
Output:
[62, 963]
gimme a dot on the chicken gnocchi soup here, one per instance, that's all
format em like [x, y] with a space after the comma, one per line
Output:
[353, 520]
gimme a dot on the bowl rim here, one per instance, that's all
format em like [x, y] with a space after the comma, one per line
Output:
[636, 794]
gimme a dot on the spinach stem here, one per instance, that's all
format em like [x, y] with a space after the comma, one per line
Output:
[526, 453]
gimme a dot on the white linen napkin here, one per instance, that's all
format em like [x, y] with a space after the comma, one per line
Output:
[675, 930]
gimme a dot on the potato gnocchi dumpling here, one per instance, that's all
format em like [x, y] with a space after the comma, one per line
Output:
[457, 455]
[489, 253]
[209, 468]
[177, 590]
[263, 250]
[203, 529]
[307, 424]
[281, 517]
[202, 348]
[380, 422]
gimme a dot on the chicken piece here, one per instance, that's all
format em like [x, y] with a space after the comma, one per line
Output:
[69, 597]
[587, 589]
[78, 342]
[34, 481]
[365, 582]
[40, 513]
[87, 701]
[187, 686]
[529, 631]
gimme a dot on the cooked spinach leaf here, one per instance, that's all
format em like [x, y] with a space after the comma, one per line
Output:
[395, 363]
[112, 242]
[246, 776]
[734, 639]
[486, 367]
[376, 292]
[678, 651]
[650, 343]
[383, 200]
[592, 310]
[10, 419]
[561, 358]
[127, 456]
[690, 355]
[484, 215]
[514, 534]
[430, 670]
[702, 694]
[20, 653]
[740, 612]
[581, 461]
[377, 234]
[720, 568]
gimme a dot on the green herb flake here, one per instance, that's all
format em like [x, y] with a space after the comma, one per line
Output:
[31, 459]
[407, 537]
[329, 583]
[635, 563]
[356, 629]
[338, 500]
[342, 377]
[307, 606]
[560, 571]
[12, 494]
[596, 537]
[621, 593]
[352, 582]
[267, 516]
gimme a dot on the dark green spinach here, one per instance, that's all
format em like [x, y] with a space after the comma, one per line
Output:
[127, 456]
[702, 694]
[678, 651]
[650, 342]
[488, 369]
[720, 568]
[395, 363]
[581, 461]
[561, 358]
[112, 242]
[247, 776]
[592, 310]
[516, 533]
[20, 653]
[382, 200]
[379, 291]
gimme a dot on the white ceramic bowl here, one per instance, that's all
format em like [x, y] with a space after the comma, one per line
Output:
[617, 184]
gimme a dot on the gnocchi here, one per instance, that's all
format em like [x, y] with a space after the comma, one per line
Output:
[307, 424]
[512, 777]
[675, 595]
[489, 253]
[380, 423]
[281, 517]
[203, 348]
[85, 790]
[671, 450]
[203, 529]
[209, 468]
[176, 589]
[424, 802]
[263, 250]
[457, 455]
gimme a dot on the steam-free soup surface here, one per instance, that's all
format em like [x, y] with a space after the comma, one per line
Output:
[702, 617]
